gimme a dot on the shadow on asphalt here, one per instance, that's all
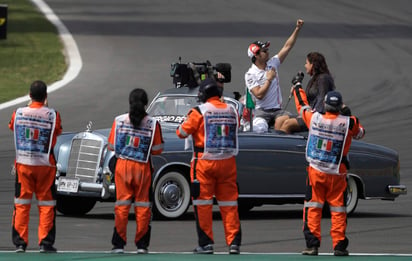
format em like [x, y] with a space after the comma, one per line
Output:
[250, 215]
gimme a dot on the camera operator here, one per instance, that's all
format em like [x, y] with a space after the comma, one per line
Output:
[214, 128]
[319, 85]
[262, 78]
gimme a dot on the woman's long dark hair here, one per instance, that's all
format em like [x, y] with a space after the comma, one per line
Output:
[137, 110]
[319, 66]
[318, 63]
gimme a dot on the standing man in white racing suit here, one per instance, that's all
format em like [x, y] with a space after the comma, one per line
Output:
[262, 78]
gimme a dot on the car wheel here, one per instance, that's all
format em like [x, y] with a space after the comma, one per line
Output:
[352, 195]
[351, 198]
[171, 195]
[74, 206]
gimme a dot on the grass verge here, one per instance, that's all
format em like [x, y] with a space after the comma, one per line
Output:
[32, 50]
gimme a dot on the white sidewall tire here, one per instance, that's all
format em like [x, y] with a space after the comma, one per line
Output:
[352, 195]
[180, 185]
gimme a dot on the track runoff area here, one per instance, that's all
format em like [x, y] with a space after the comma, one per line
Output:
[158, 256]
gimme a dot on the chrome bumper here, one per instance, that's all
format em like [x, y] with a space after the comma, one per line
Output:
[397, 189]
[94, 187]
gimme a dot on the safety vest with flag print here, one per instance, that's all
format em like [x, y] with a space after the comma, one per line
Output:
[221, 127]
[326, 141]
[33, 134]
[134, 144]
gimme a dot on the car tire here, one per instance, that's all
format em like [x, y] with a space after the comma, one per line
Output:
[74, 206]
[352, 195]
[171, 195]
[351, 199]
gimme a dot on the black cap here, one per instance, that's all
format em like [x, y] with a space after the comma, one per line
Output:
[206, 82]
[334, 99]
[208, 88]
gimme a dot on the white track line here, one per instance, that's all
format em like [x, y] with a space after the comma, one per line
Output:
[71, 52]
[216, 253]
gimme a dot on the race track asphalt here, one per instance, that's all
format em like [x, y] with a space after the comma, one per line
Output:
[126, 44]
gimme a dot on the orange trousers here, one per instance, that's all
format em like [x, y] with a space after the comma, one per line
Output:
[321, 188]
[216, 178]
[40, 181]
[133, 182]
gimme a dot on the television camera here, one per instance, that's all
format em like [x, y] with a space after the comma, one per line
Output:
[191, 74]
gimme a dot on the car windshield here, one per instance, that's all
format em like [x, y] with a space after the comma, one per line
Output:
[172, 108]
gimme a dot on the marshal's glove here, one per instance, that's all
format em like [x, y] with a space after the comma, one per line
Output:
[345, 110]
[297, 87]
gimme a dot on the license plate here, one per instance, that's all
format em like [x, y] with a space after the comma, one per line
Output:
[68, 185]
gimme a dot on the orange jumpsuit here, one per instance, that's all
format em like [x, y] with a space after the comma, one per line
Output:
[326, 187]
[215, 177]
[133, 181]
[38, 179]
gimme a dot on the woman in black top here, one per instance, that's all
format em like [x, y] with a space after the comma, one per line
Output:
[319, 85]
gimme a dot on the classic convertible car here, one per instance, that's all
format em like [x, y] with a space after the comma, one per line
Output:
[271, 166]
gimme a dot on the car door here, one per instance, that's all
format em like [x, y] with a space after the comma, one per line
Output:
[271, 164]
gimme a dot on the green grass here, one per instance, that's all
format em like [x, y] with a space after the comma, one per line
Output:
[32, 50]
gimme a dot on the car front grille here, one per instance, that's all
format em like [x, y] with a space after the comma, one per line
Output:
[84, 159]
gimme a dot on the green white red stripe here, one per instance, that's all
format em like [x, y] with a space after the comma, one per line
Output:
[324, 144]
[223, 130]
[132, 141]
[32, 133]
